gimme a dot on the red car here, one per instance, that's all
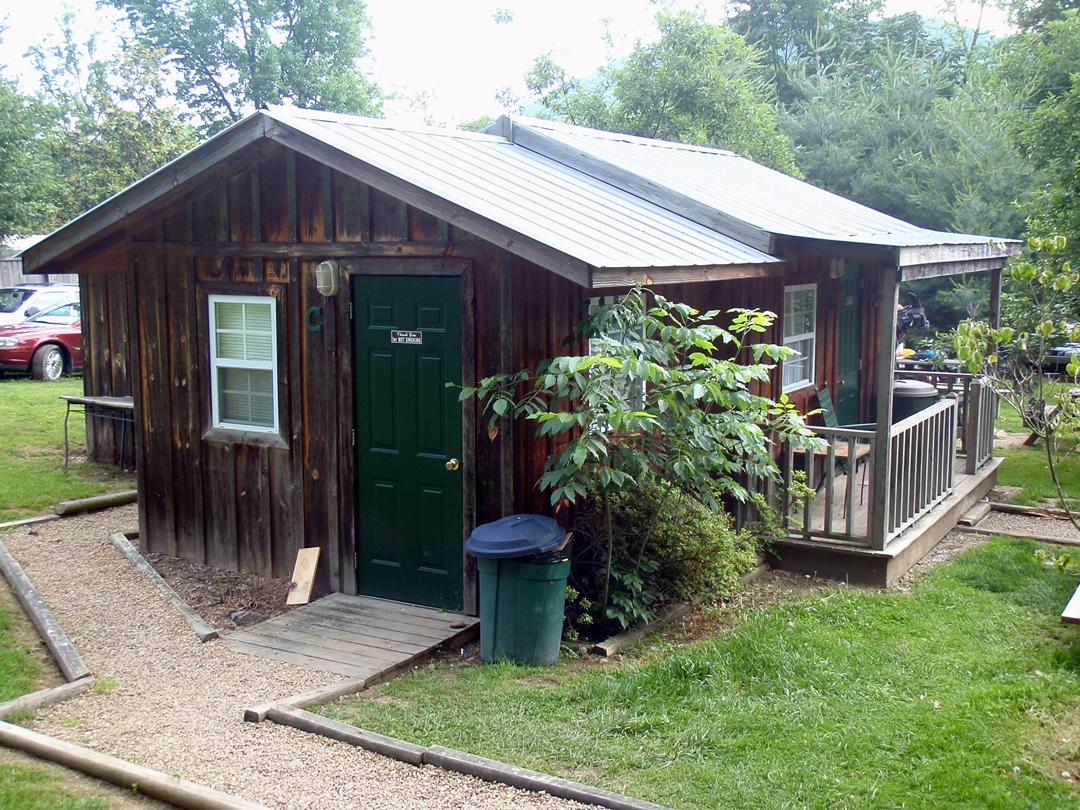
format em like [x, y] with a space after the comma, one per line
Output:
[47, 345]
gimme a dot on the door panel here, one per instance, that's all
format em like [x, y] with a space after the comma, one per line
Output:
[849, 343]
[409, 526]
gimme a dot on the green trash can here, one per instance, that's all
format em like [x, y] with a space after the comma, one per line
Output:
[523, 570]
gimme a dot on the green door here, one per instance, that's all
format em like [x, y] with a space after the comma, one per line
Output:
[849, 344]
[408, 438]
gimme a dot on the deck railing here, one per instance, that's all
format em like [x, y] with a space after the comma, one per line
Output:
[923, 450]
[850, 507]
[921, 465]
[836, 513]
[978, 424]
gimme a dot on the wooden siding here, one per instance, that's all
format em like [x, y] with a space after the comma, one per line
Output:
[258, 227]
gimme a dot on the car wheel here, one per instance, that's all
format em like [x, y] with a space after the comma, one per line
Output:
[48, 363]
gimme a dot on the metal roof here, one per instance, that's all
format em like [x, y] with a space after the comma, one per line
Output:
[766, 199]
[535, 196]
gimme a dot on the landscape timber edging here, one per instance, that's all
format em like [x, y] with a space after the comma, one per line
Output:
[452, 760]
[203, 630]
[63, 651]
[46, 697]
[155, 784]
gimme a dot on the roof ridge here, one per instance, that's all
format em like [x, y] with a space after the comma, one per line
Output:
[284, 113]
[600, 134]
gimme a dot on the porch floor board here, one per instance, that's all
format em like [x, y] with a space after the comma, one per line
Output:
[853, 560]
[355, 636]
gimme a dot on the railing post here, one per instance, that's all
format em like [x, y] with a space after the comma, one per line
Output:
[972, 427]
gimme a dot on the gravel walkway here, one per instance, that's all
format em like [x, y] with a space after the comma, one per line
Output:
[178, 704]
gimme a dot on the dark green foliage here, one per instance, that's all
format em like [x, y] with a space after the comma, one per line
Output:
[27, 179]
[795, 33]
[897, 132]
[668, 548]
[111, 124]
[699, 83]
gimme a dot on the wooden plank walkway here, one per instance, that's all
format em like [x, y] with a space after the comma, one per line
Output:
[356, 636]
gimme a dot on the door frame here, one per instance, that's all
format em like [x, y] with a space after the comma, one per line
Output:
[360, 266]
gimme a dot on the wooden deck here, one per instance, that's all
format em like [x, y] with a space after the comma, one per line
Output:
[356, 636]
[856, 563]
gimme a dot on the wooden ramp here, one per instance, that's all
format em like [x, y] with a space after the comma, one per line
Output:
[356, 636]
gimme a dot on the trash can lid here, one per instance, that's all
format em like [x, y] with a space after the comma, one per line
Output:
[913, 388]
[515, 536]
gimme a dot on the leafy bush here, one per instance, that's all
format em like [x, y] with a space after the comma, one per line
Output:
[666, 547]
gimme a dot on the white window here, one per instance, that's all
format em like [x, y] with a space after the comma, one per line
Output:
[243, 362]
[800, 334]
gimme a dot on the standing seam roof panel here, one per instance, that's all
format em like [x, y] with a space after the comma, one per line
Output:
[638, 233]
[754, 193]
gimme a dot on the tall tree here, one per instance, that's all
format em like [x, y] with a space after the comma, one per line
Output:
[903, 135]
[796, 33]
[112, 122]
[699, 83]
[27, 181]
[233, 56]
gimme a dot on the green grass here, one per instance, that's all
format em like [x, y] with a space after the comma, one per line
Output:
[1027, 468]
[18, 672]
[1008, 419]
[944, 697]
[24, 787]
[32, 475]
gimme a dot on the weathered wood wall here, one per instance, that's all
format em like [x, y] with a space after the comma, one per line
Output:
[258, 225]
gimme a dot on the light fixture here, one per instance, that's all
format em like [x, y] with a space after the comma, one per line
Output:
[836, 268]
[326, 278]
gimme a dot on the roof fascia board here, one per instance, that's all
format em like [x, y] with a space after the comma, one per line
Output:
[946, 254]
[854, 251]
[941, 269]
[604, 277]
[554, 260]
[112, 211]
[632, 183]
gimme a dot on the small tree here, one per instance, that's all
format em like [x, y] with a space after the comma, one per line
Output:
[1041, 308]
[662, 403]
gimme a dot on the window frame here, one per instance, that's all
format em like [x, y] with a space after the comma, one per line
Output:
[808, 379]
[217, 363]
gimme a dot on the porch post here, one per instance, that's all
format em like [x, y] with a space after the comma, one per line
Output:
[994, 316]
[877, 519]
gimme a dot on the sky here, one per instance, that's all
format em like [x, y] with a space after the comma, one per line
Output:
[451, 51]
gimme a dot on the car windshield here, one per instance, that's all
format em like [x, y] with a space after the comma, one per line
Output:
[11, 298]
[63, 314]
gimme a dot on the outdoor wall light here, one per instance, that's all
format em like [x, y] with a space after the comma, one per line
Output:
[326, 278]
[836, 268]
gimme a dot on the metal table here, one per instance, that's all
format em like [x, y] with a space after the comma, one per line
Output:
[116, 409]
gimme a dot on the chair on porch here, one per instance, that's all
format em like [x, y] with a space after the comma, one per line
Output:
[842, 452]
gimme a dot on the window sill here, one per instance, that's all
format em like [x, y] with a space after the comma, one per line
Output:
[240, 436]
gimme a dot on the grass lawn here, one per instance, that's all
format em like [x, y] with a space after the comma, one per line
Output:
[963, 693]
[32, 475]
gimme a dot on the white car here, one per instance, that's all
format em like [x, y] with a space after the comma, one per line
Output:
[20, 302]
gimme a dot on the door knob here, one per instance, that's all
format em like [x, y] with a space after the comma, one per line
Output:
[453, 464]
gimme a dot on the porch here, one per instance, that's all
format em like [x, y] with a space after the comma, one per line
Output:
[871, 522]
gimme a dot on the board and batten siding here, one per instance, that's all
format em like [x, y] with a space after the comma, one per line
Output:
[257, 225]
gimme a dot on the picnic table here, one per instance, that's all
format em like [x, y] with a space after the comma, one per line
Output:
[117, 409]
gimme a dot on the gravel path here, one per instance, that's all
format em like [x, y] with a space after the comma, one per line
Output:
[178, 705]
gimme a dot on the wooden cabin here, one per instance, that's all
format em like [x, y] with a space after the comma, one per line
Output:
[287, 302]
